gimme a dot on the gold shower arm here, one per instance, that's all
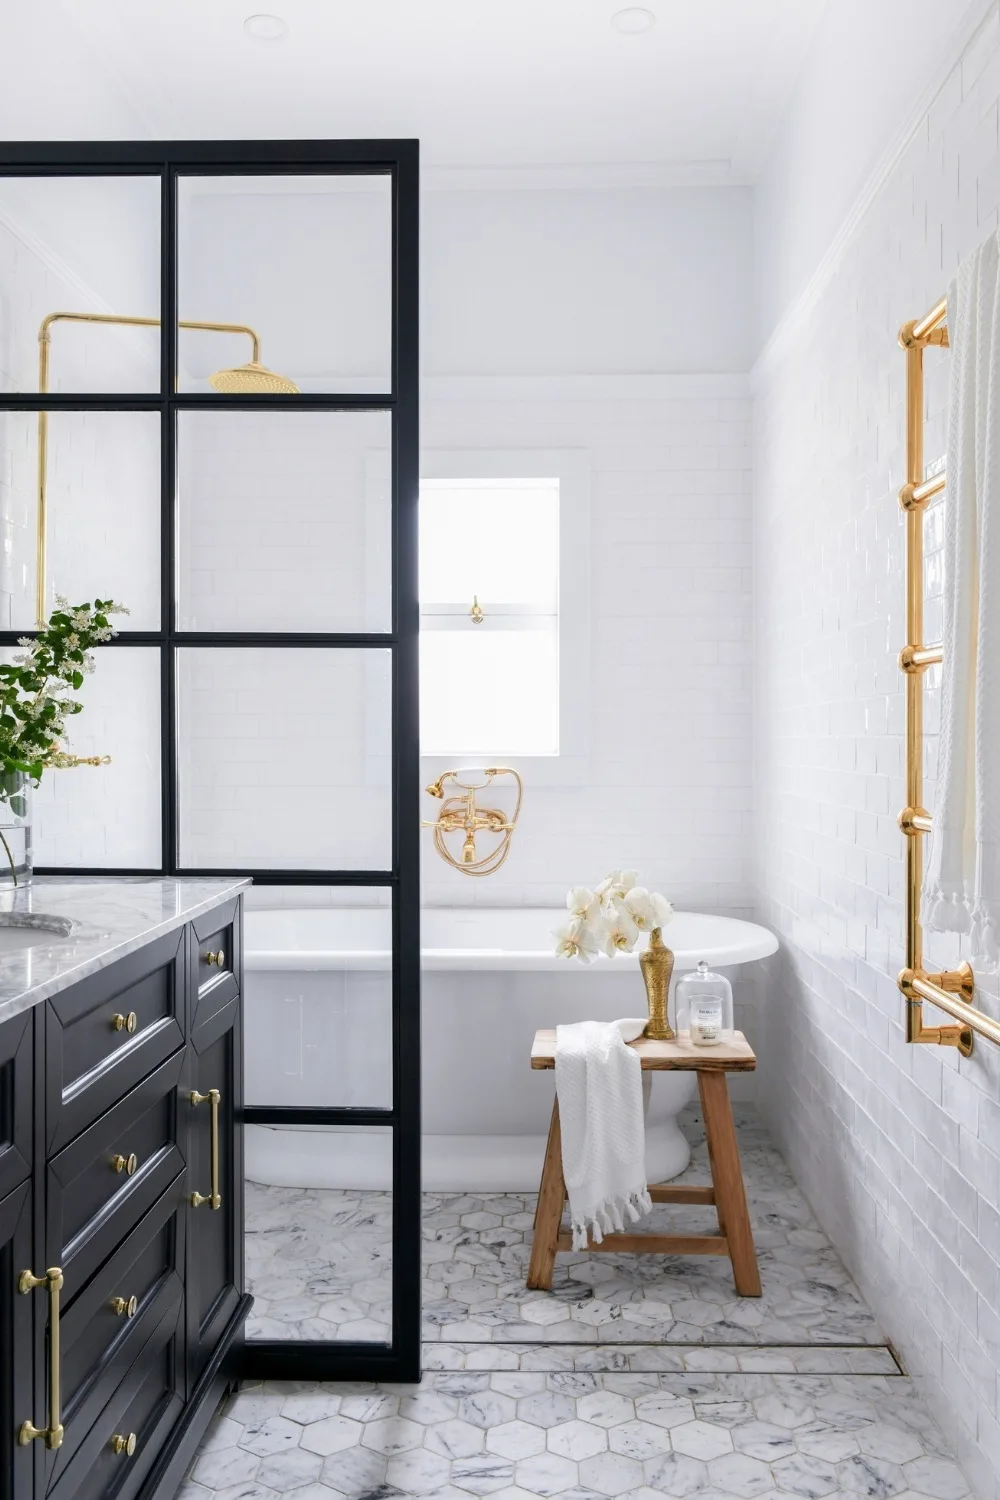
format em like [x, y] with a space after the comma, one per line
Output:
[44, 344]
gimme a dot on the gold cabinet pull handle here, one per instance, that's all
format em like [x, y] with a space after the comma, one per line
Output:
[122, 1444]
[214, 1099]
[125, 1023]
[218, 958]
[53, 1433]
[126, 1164]
[125, 1306]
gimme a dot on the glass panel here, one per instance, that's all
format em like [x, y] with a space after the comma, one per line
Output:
[305, 263]
[489, 692]
[284, 758]
[101, 485]
[319, 1235]
[87, 248]
[284, 520]
[318, 1000]
[495, 539]
[108, 815]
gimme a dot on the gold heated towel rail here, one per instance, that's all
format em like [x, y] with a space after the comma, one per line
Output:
[953, 989]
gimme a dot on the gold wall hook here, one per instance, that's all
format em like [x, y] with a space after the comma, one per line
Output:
[463, 815]
[476, 612]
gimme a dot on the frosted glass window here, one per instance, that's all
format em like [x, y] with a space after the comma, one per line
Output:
[493, 693]
[108, 815]
[72, 245]
[489, 617]
[284, 520]
[284, 758]
[497, 540]
[102, 506]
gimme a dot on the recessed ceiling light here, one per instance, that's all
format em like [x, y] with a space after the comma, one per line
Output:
[633, 20]
[263, 28]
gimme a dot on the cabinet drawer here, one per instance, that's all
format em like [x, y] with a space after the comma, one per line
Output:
[144, 1406]
[216, 960]
[108, 1032]
[101, 1338]
[94, 1199]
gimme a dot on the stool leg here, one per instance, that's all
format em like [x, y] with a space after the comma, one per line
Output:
[727, 1179]
[548, 1213]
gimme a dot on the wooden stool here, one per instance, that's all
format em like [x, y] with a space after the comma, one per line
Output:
[734, 1237]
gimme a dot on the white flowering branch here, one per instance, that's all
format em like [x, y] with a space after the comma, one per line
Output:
[35, 689]
[610, 918]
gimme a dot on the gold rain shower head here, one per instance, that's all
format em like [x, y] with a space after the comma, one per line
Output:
[252, 379]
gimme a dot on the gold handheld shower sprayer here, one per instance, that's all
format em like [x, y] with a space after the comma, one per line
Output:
[251, 379]
[461, 814]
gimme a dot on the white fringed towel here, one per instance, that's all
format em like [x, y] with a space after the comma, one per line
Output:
[600, 1093]
[962, 884]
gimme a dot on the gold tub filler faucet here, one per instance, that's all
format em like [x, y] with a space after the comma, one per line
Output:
[462, 814]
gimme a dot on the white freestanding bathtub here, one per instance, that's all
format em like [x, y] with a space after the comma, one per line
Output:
[317, 1031]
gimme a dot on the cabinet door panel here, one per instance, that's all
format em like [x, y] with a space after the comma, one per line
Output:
[19, 1390]
[16, 1054]
[215, 1236]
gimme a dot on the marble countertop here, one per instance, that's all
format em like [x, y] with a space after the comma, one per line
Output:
[93, 922]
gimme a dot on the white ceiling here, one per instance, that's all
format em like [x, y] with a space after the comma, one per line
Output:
[532, 91]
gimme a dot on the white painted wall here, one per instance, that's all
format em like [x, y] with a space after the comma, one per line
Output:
[868, 70]
[897, 1147]
[529, 283]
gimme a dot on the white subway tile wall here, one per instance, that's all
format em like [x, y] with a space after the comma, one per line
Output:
[669, 753]
[897, 1147]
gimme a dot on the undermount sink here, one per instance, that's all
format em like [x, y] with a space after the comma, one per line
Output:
[15, 935]
[13, 939]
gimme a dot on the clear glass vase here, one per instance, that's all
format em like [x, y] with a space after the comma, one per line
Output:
[15, 830]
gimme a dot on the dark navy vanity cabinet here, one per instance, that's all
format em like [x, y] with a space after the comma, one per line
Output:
[121, 1218]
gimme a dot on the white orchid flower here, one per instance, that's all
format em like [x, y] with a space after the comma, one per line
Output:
[614, 887]
[662, 910]
[640, 908]
[582, 903]
[575, 940]
[620, 934]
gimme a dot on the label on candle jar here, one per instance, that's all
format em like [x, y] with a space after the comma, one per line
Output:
[706, 1021]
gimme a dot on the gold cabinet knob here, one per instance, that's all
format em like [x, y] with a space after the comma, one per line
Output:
[216, 958]
[125, 1307]
[125, 1023]
[126, 1164]
[122, 1444]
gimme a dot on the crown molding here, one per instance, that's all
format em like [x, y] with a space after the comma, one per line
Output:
[614, 386]
[975, 17]
[565, 176]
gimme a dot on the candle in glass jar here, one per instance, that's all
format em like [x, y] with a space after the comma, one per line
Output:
[706, 1021]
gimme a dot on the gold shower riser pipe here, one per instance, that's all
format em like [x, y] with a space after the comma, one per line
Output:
[952, 990]
[44, 344]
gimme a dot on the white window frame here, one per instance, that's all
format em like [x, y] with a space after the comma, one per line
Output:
[571, 767]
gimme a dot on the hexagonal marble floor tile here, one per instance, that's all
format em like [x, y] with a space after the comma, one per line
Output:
[579, 1436]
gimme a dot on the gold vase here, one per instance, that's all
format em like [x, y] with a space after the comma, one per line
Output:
[657, 965]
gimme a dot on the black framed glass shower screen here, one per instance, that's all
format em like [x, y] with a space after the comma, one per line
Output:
[253, 603]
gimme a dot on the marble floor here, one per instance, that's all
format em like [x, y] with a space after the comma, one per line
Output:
[634, 1378]
[515, 1435]
[319, 1264]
